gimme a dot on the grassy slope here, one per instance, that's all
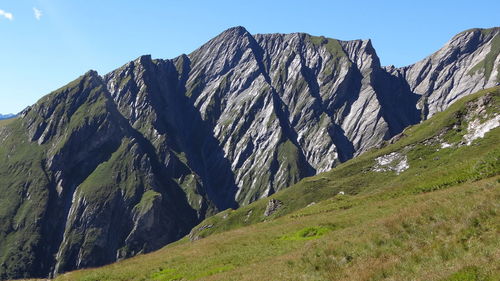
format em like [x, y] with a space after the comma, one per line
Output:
[24, 199]
[6, 122]
[15, 212]
[438, 220]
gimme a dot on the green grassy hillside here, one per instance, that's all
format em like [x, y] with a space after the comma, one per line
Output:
[6, 122]
[425, 206]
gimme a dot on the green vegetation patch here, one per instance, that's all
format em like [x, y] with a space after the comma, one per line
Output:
[487, 64]
[333, 46]
[213, 271]
[166, 275]
[307, 233]
[469, 273]
[335, 49]
[289, 157]
[147, 200]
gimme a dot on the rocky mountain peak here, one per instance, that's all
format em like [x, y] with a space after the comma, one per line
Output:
[143, 61]
[91, 73]
[220, 54]
[485, 32]
[467, 63]
[50, 116]
[361, 52]
[235, 31]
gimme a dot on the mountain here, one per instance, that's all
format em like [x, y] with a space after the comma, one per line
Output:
[81, 187]
[109, 167]
[392, 213]
[7, 116]
[468, 63]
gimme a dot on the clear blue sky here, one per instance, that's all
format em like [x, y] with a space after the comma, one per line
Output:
[71, 37]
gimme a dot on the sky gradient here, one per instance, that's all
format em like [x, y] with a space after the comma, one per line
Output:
[48, 43]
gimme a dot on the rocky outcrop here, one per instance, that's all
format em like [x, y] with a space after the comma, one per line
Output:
[272, 206]
[480, 119]
[391, 162]
[109, 167]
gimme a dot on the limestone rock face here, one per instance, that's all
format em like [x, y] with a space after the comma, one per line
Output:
[109, 167]
[255, 113]
[467, 63]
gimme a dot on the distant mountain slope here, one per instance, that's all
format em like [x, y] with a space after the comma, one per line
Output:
[109, 167]
[393, 213]
[469, 62]
[6, 116]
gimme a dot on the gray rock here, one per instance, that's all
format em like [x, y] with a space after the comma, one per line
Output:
[466, 64]
[272, 206]
[194, 234]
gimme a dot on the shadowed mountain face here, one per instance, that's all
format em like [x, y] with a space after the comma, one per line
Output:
[108, 167]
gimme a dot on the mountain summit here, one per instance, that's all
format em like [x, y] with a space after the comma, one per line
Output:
[109, 167]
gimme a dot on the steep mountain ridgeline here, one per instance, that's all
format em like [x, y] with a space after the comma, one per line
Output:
[467, 63]
[81, 187]
[108, 167]
[264, 97]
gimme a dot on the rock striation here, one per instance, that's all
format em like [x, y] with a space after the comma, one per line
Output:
[468, 63]
[109, 167]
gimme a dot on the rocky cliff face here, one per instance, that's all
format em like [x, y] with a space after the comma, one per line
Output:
[82, 187]
[108, 167]
[469, 62]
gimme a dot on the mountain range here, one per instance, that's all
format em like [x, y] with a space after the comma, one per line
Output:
[422, 206]
[7, 116]
[111, 166]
